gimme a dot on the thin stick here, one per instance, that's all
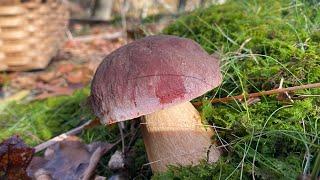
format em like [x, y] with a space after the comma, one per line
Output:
[63, 136]
[92, 163]
[262, 93]
[121, 127]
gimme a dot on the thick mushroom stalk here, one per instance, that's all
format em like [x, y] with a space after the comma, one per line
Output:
[176, 136]
[156, 77]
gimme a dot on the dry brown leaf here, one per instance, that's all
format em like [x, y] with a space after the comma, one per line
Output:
[3, 79]
[65, 68]
[15, 157]
[81, 75]
[69, 159]
[93, 65]
[75, 77]
[23, 82]
[70, 44]
[47, 76]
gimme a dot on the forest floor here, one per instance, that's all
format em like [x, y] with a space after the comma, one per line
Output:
[262, 45]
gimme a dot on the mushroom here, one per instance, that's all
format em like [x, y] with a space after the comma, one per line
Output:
[156, 77]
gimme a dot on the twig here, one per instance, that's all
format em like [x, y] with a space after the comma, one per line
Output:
[262, 93]
[96, 156]
[106, 36]
[121, 128]
[63, 136]
[134, 134]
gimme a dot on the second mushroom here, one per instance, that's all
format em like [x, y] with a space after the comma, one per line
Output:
[156, 77]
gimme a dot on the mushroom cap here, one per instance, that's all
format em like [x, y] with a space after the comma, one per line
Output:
[151, 74]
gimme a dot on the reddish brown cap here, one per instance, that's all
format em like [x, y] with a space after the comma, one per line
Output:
[151, 74]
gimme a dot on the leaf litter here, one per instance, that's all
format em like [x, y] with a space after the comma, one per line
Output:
[15, 157]
[71, 69]
[69, 159]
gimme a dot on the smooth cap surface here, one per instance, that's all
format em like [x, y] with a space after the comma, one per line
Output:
[151, 74]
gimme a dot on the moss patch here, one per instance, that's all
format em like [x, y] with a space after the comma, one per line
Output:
[260, 42]
[38, 121]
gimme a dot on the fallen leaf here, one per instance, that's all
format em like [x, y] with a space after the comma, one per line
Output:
[3, 78]
[71, 44]
[69, 159]
[81, 75]
[47, 76]
[65, 68]
[15, 157]
[93, 65]
[75, 77]
[23, 82]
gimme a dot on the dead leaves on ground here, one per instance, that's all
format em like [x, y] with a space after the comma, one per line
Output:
[71, 69]
[63, 80]
[69, 159]
[15, 157]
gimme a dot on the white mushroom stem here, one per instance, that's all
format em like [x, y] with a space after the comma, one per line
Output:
[176, 136]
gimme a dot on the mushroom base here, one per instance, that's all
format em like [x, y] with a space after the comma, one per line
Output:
[176, 136]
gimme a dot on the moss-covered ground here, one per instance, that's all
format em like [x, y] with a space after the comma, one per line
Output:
[259, 43]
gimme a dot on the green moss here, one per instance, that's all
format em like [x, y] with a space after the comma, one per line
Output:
[276, 40]
[260, 42]
[38, 121]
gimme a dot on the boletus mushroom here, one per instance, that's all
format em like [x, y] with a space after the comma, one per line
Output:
[156, 77]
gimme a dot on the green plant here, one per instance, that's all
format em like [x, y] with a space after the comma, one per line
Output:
[259, 43]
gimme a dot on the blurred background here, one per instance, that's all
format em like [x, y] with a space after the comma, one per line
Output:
[52, 47]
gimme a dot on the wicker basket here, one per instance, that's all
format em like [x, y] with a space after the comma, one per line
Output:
[31, 32]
